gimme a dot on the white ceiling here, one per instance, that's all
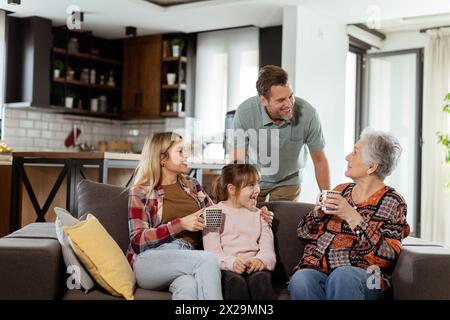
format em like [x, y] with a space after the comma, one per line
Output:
[107, 18]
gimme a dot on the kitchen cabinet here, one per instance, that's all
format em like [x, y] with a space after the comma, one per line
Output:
[142, 77]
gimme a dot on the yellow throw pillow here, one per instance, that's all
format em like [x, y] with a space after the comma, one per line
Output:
[102, 257]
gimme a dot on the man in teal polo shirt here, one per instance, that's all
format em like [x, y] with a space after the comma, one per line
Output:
[289, 124]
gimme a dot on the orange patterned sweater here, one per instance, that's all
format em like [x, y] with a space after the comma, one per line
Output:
[374, 243]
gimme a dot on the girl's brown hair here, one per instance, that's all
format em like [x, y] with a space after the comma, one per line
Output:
[239, 175]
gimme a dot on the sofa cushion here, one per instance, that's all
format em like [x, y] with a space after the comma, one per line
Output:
[110, 205]
[422, 273]
[36, 230]
[30, 269]
[102, 256]
[65, 219]
[289, 249]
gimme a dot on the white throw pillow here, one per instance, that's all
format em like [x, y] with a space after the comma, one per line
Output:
[65, 219]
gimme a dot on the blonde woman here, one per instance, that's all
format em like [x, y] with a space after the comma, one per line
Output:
[164, 218]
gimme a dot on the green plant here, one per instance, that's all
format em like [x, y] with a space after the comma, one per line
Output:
[58, 64]
[177, 42]
[70, 93]
[174, 98]
[444, 138]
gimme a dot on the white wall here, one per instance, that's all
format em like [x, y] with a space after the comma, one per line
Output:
[403, 40]
[320, 69]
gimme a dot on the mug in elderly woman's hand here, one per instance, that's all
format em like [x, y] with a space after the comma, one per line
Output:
[213, 218]
[322, 198]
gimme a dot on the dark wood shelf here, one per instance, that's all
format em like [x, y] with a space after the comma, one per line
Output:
[175, 59]
[182, 86]
[181, 114]
[85, 84]
[86, 56]
[76, 111]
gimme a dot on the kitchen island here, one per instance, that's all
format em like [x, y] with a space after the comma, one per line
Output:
[43, 174]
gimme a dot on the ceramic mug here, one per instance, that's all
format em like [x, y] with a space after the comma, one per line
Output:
[322, 197]
[213, 218]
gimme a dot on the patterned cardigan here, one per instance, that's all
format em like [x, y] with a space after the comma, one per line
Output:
[145, 208]
[375, 242]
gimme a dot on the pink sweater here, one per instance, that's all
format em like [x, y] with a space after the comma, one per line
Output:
[245, 234]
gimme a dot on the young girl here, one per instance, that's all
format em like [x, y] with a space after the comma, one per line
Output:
[244, 245]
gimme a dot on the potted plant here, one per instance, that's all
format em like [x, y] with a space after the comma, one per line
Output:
[58, 66]
[69, 98]
[177, 44]
[443, 138]
[177, 104]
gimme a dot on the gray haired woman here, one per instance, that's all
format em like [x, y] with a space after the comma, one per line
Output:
[353, 244]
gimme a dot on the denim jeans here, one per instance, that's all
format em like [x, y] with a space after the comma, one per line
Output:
[344, 283]
[188, 274]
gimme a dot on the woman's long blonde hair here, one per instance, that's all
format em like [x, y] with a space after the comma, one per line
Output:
[155, 150]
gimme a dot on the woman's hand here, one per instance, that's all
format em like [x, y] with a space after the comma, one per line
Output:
[194, 221]
[254, 265]
[338, 206]
[239, 265]
[267, 215]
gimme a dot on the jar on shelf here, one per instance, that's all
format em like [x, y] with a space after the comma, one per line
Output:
[93, 76]
[84, 76]
[72, 45]
[111, 81]
[102, 103]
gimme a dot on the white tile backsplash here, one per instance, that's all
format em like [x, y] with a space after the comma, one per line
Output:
[34, 115]
[26, 124]
[32, 133]
[34, 130]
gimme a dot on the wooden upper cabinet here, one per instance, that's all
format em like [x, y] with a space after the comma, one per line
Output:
[142, 77]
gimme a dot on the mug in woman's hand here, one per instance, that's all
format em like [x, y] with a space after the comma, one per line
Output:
[322, 198]
[213, 218]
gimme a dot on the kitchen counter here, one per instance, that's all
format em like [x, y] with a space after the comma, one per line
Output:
[5, 159]
[78, 155]
[50, 179]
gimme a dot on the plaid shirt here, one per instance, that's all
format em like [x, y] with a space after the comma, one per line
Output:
[145, 214]
[376, 241]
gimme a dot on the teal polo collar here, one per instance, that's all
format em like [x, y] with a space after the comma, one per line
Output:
[267, 121]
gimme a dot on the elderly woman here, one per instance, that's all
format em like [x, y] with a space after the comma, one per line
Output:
[351, 248]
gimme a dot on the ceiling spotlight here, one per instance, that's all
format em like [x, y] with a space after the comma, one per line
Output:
[14, 2]
[131, 31]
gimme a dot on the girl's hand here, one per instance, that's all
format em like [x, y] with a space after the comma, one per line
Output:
[193, 222]
[239, 265]
[267, 215]
[254, 265]
[338, 206]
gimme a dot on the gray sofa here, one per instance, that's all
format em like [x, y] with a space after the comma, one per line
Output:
[31, 264]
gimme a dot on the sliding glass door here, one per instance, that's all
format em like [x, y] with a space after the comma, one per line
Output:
[394, 103]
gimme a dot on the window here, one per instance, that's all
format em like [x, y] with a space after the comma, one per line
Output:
[355, 67]
[2, 68]
[226, 73]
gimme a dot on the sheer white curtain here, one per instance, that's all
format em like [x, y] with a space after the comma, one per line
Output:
[226, 74]
[435, 211]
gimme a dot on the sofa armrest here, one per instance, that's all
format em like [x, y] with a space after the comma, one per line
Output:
[422, 272]
[30, 268]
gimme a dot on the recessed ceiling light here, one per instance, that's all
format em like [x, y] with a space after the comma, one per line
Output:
[14, 2]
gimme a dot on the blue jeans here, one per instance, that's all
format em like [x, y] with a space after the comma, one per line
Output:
[344, 283]
[188, 274]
